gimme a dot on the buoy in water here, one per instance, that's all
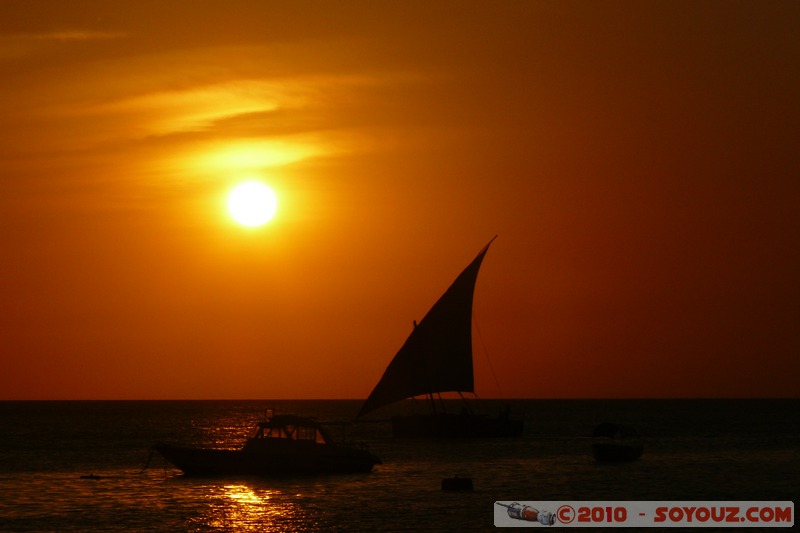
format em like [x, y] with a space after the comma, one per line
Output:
[457, 483]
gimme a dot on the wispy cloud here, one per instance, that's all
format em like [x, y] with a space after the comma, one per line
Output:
[22, 45]
[236, 106]
[192, 109]
[207, 111]
[69, 35]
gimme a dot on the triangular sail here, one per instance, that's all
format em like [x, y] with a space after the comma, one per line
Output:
[437, 356]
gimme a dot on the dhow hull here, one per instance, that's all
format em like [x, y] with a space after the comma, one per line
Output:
[455, 426]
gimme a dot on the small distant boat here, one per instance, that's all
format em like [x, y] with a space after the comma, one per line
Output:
[616, 443]
[457, 483]
[436, 358]
[278, 445]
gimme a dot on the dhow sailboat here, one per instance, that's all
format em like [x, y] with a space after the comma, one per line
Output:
[436, 358]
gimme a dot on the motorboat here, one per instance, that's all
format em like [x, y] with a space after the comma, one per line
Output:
[278, 445]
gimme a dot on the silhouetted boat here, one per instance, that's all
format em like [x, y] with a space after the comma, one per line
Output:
[615, 443]
[436, 358]
[278, 445]
[457, 483]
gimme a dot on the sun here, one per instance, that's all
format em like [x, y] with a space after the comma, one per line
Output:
[252, 203]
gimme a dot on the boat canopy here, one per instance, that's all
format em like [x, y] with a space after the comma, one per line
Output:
[290, 427]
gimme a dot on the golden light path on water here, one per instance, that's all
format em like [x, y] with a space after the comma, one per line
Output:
[238, 507]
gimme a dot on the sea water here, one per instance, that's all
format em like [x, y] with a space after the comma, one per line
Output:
[694, 450]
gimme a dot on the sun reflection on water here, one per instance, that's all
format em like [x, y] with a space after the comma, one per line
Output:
[240, 507]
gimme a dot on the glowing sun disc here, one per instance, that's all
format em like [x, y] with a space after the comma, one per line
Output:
[252, 203]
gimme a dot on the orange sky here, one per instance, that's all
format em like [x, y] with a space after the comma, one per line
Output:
[638, 161]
